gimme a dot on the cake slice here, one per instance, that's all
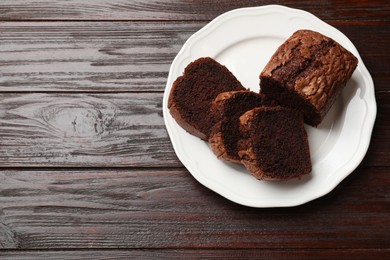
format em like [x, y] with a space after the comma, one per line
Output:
[227, 109]
[192, 93]
[307, 72]
[274, 143]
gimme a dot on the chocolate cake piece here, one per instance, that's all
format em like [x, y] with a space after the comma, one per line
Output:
[274, 143]
[308, 72]
[227, 109]
[192, 93]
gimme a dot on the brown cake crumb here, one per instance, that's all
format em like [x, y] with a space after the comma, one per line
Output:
[192, 93]
[227, 109]
[274, 143]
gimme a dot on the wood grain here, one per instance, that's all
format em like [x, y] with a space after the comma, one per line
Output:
[111, 130]
[169, 209]
[94, 57]
[87, 170]
[178, 10]
[128, 56]
[199, 254]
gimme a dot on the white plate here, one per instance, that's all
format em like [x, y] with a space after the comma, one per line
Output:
[243, 40]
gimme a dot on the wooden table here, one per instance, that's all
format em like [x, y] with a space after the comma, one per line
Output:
[87, 167]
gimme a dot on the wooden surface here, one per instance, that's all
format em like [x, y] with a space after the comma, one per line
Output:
[87, 170]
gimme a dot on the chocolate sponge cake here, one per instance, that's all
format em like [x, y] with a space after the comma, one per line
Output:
[274, 143]
[227, 109]
[192, 93]
[308, 72]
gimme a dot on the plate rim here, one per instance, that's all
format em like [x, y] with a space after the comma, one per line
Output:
[347, 168]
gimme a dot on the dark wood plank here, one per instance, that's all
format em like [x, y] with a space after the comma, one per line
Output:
[129, 56]
[169, 209]
[153, 206]
[200, 254]
[178, 10]
[93, 56]
[111, 130]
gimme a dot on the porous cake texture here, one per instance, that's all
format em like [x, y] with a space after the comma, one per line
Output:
[192, 93]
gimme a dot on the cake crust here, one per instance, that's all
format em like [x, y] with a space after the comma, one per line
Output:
[308, 72]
